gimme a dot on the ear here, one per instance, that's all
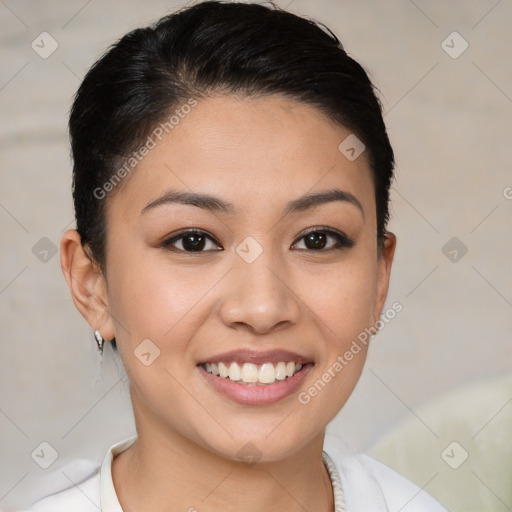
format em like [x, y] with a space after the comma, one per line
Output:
[385, 260]
[87, 284]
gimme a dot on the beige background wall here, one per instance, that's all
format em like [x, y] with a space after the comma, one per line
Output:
[450, 122]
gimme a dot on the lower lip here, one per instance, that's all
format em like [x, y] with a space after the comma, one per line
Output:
[253, 394]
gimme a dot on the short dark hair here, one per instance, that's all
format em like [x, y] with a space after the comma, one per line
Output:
[213, 48]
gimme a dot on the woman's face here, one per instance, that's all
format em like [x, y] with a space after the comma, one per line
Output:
[270, 278]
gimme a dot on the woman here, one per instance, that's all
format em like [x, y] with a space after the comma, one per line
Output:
[231, 188]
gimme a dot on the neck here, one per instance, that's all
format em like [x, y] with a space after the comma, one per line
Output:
[165, 471]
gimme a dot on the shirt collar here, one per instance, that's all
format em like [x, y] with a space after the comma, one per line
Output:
[108, 495]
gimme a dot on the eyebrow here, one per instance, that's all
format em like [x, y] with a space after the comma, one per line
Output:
[215, 204]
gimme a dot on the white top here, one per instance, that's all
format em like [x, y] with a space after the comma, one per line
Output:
[367, 485]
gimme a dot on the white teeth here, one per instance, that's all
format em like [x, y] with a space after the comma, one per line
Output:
[267, 373]
[281, 371]
[234, 372]
[250, 373]
[223, 370]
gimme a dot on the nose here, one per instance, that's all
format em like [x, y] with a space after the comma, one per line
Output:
[258, 297]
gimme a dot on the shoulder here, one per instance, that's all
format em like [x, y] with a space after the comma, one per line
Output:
[82, 485]
[400, 493]
[371, 485]
[79, 490]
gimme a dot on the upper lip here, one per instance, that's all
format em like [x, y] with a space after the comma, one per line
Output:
[257, 357]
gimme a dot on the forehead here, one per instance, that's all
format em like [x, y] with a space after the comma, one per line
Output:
[254, 151]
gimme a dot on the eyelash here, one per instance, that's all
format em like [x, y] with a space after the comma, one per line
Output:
[343, 241]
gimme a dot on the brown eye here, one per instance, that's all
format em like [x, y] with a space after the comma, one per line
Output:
[316, 240]
[191, 241]
[323, 240]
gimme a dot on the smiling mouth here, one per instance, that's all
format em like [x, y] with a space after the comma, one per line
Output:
[251, 374]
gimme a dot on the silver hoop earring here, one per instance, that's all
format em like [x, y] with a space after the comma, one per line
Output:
[99, 341]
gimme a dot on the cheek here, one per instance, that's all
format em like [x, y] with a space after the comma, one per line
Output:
[341, 297]
[152, 296]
